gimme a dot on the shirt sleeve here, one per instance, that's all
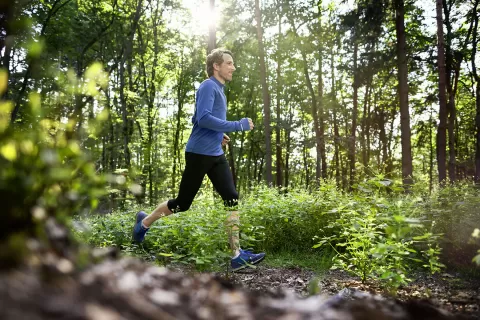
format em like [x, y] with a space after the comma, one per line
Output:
[204, 117]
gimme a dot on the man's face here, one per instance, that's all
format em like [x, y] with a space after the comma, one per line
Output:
[226, 68]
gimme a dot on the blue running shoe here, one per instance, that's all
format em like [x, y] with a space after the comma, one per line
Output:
[139, 231]
[246, 259]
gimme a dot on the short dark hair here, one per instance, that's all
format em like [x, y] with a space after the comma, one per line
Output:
[216, 56]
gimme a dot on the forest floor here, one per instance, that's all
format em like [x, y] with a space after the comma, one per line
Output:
[449, 291]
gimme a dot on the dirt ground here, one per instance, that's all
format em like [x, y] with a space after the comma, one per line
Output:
[445, 290]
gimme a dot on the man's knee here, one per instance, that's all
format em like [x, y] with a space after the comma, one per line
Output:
[178, 206]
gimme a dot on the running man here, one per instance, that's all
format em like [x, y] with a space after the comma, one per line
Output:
[204, 155]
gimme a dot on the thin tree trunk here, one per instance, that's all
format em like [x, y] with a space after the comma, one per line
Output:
[316, 122]
[265, 96]
[150, 91]
[314, 108]
[250, 175]
[354, 113]
[477, 135]
[451, 112]
[305, 164]
[390, 167]
[407, 167]
[278, 145]
[260, 168]
[364, 125]
[369, 118]
[128, 45]
[452, 115]
[441, 131]
[178, 127]
[321, 111]
[288, 146]
[336, 134]
[382, 136]
[110, 165]
[240, 165]
[477, 93]
[430, 171]
[231, 160]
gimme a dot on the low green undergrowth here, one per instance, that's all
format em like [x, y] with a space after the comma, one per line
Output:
[377, 232]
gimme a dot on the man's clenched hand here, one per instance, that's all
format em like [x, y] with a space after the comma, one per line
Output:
[225, 140]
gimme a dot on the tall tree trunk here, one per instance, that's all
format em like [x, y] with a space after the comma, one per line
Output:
[178, 126]
[354, 113]
[453, 64]
[451, 112]
[477, 135]
[314, 110]
[441, 131]
[265, 96]
[369, 120]
[316, 122]
[249, 106]
[150, 91]
[111, 136]
[430, 169]
[452, 115]
[321, 111]
[336, 134]
[212, 31]
[278, 143]
[407, 168]
[477, 93]
[365, 142]
[344, 165]
[128, 48]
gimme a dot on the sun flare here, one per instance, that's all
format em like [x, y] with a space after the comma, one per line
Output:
[203, 17]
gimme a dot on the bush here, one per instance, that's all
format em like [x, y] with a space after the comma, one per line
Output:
[380, 234]
[44, 177]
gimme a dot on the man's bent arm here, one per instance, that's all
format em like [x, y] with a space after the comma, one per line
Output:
[205, 101]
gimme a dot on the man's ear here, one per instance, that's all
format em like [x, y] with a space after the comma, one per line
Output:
[216, 66]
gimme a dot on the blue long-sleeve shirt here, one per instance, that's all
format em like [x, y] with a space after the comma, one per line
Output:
[209, 120]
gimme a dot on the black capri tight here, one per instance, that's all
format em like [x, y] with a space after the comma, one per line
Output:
[197, 165]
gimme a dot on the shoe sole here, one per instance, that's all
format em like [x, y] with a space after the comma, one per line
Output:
[248, 265]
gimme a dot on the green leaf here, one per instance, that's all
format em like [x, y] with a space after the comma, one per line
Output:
[319, 244]
[9, 151]
[165, 254]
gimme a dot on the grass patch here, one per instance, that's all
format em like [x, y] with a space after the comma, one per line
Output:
[317, 261]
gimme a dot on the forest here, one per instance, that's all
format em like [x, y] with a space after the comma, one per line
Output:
[363, 169]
